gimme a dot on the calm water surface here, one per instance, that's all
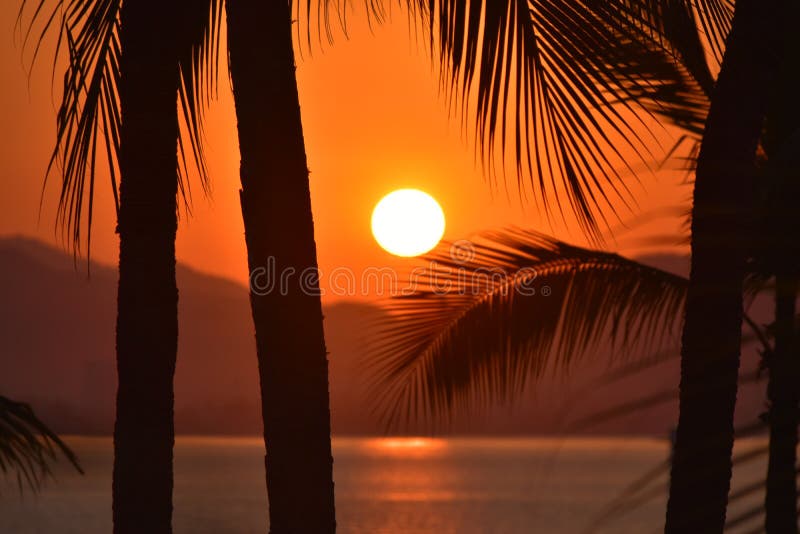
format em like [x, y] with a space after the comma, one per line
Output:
[387, 485]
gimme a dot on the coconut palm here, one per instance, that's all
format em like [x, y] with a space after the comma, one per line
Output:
[726, 163]
[712, 350]
[276, 208]
[147, 319]
[773, 256]
[28, 446]
[126, 69]
[779, 256]
[724, 184]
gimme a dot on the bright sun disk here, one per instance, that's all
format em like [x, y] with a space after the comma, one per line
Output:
[408, 222]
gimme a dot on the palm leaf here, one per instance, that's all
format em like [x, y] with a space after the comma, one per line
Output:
[474, 331]
[568, 87]
[545, 79]
[89, 113]
[667, 20]
[27, 446]
[199, 69]
[685, 104]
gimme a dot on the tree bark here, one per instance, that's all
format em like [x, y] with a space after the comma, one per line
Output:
[711, 342]
[279, 233]
[147, 326]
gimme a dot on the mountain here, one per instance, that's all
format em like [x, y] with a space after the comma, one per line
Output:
[57, 336]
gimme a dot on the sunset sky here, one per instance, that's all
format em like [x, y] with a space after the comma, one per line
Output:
[374, 121]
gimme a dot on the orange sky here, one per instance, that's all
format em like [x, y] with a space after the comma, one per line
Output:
[374, 121]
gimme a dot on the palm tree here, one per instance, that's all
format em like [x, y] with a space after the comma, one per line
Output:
[147, 319]
[28, 446]
[726, 162]
[710, 354]
[723, 191]
[778, 256]
[276, 208]
[719, 211]
[773, 255]
[126, 70]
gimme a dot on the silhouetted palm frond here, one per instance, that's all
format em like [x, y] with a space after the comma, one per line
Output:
[567, 87]
[27, 446]
[549, 83]
[487, 316]
[685, 104]
[89, 113]
[199, 67]
[667, 19]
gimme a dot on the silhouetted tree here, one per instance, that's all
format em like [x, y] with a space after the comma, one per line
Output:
[778, 254]
[276, 208]
[147, 320]
[775, 251]
[723, 193]
[127, 66]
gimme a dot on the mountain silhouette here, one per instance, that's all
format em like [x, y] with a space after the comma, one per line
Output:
[57, 332]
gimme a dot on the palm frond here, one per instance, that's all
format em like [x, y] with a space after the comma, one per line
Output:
[88, 30]
[475, 329]
[565, 86]
[546, 83]
[199, 69]
[715, 21]
[27, 446]
[90, 114]
[666, 19]
[673, 23]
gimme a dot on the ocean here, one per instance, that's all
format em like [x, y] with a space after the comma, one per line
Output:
[383, 485]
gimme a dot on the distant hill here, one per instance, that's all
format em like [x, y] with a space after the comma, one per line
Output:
[57, 352]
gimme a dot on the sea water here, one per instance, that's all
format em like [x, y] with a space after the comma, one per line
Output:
[383, 485]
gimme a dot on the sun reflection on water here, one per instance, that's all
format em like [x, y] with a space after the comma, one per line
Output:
[414, 443]
[405, 447]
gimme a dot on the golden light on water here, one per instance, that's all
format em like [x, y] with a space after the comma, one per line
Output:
[411, 443]
[406, 446]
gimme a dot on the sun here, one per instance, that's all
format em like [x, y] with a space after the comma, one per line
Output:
[407, 222]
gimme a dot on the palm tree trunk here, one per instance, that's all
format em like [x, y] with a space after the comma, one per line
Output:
[780, 255]
[701, 468]
[784, 382]
[279, 233]
[147, 327]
